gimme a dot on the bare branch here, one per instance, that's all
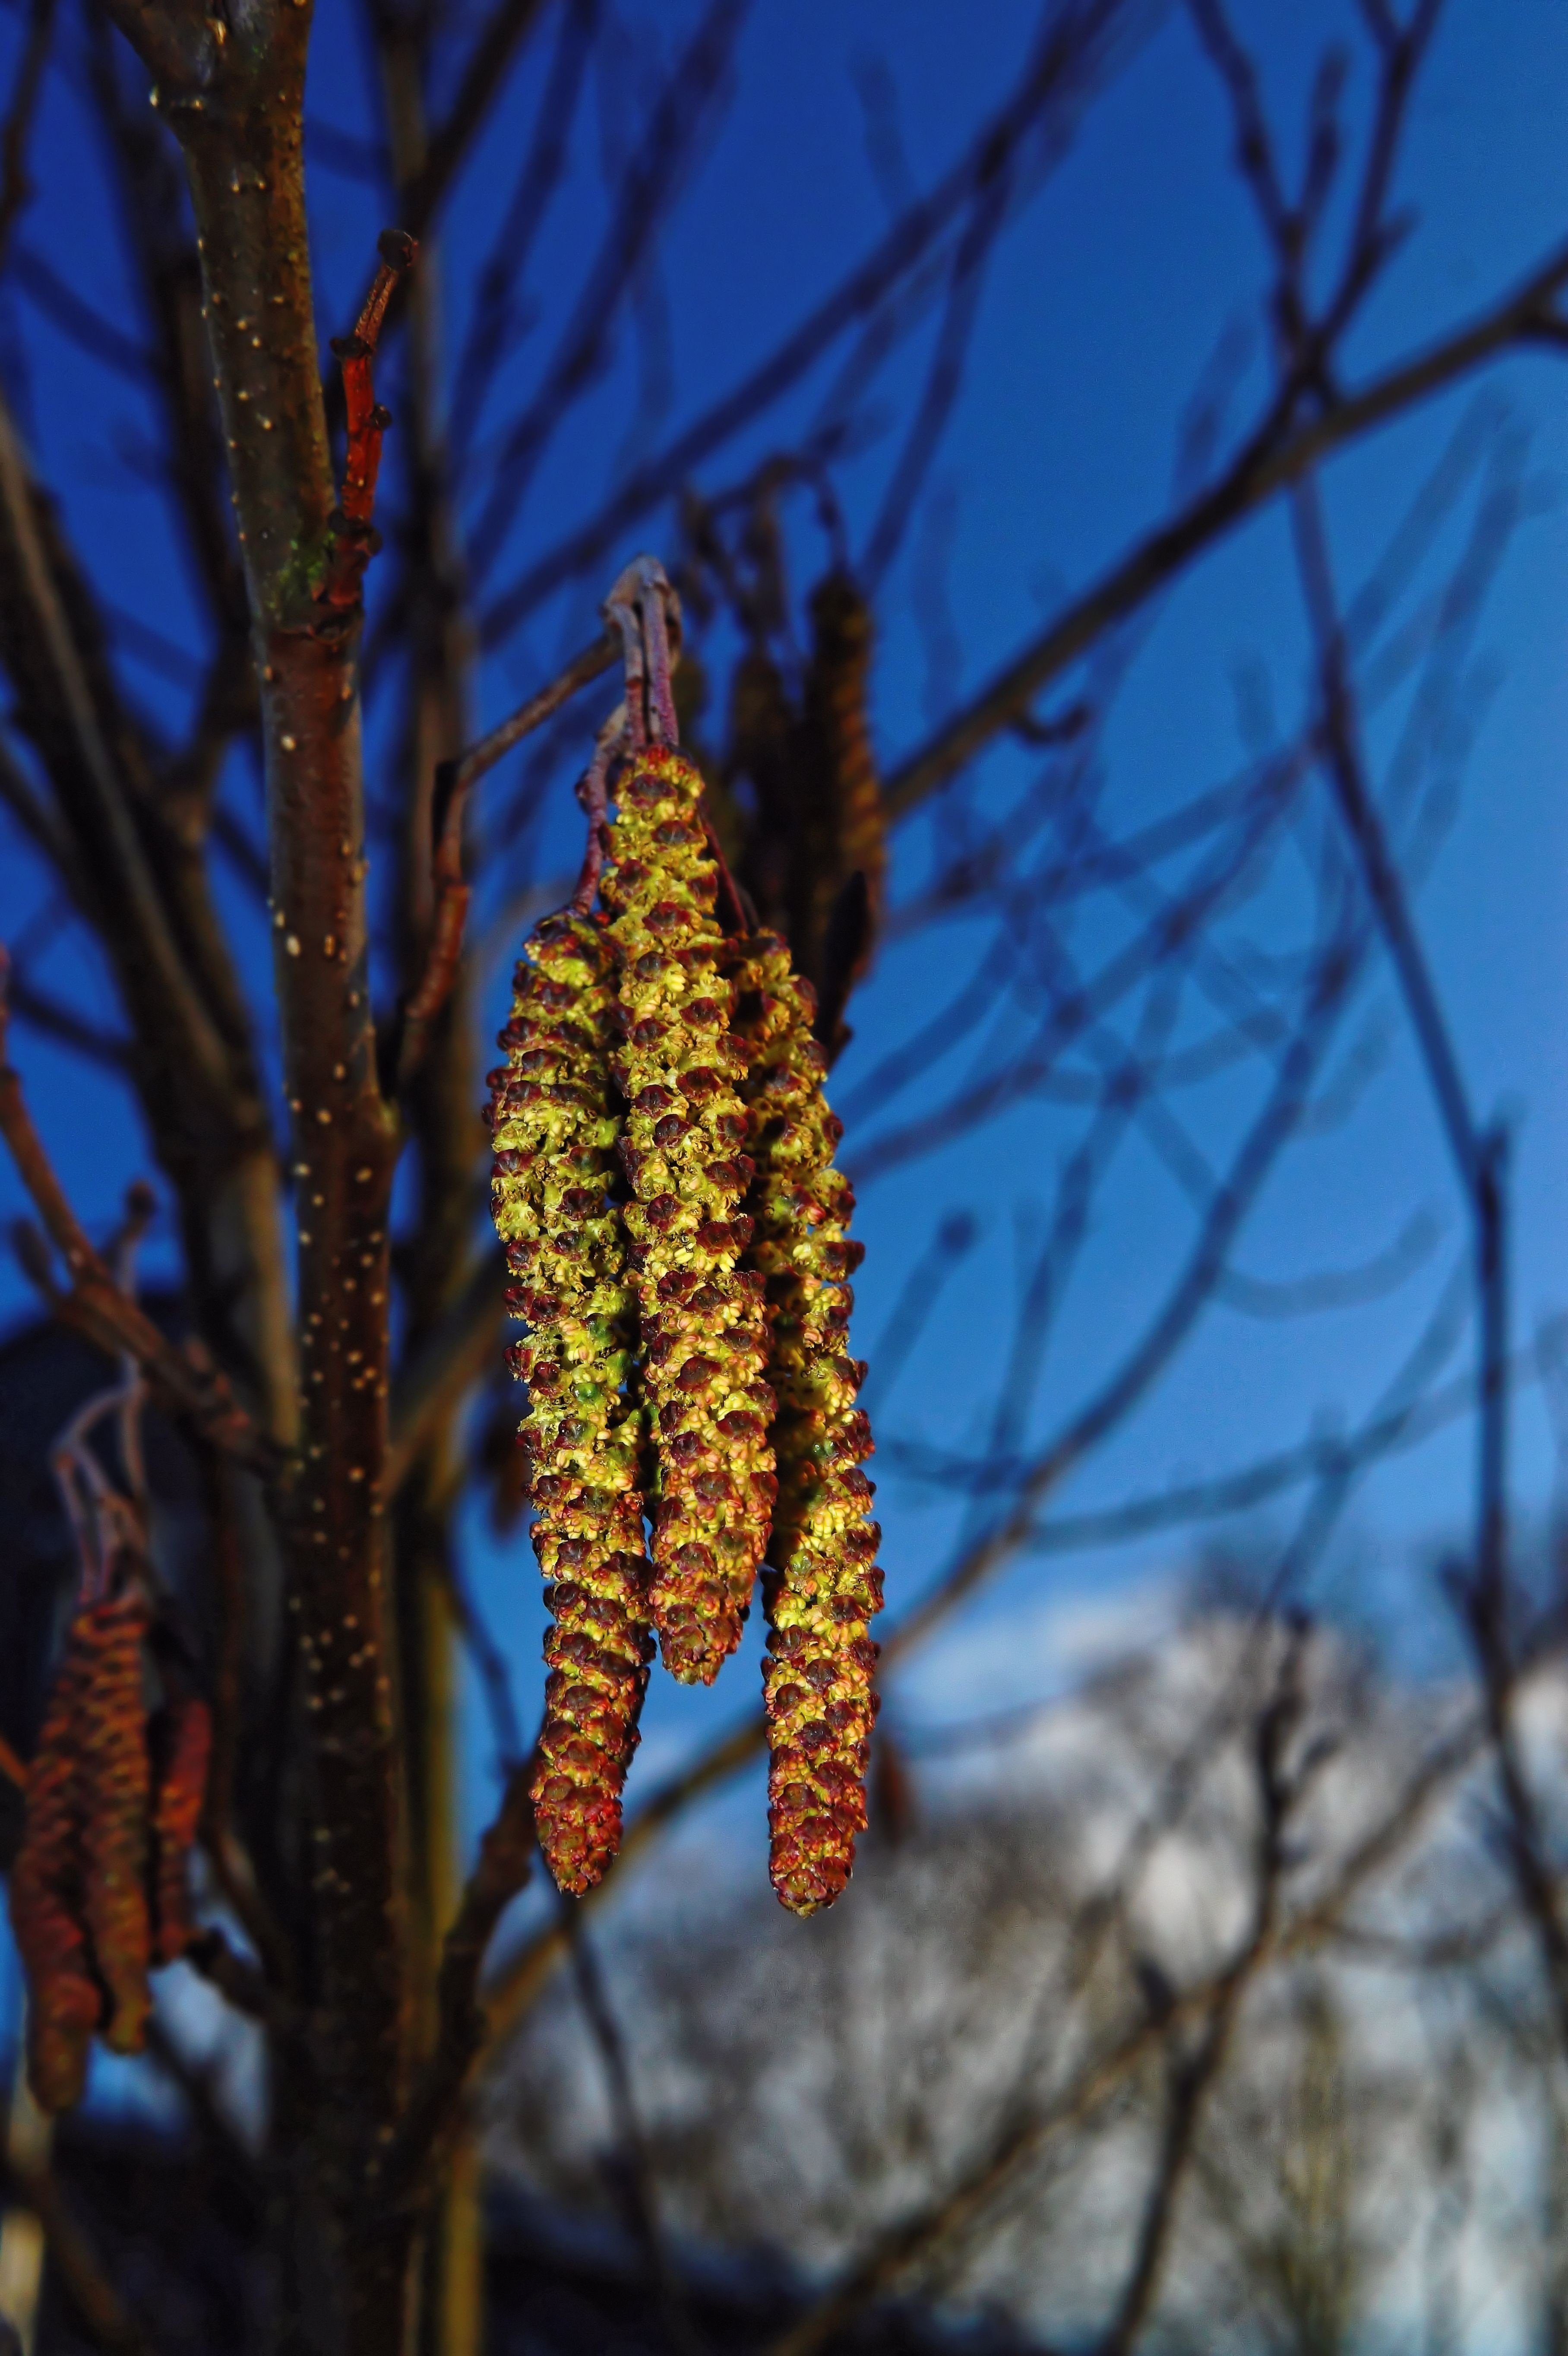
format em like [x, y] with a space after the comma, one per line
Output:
[505, 1863]
[101, 1308]
[580, 672]
[86, 2281]
[446, 1366]
[651, 180]
[1077, 49]
[16, 188]
[448, 809]
[1022, 2136]
[1267, 465]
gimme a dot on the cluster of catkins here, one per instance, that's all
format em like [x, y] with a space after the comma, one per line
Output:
[100, 1885]
[675, 1232]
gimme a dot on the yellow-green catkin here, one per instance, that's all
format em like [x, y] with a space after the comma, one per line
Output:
[704, 1334]
[554, 1130]
[824, 1587]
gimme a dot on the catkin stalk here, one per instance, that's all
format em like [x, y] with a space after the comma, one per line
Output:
[704, 1333]
[824, 1587]
[554, 1131]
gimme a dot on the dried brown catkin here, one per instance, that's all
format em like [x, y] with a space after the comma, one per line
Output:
[554, 1132]
[64, 2002]
[116, 1814]
[182, 1746]
[704, 1336]
[824, 1587]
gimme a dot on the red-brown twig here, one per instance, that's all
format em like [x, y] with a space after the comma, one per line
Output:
[580, 672]
[98, 1307]
[594, 794]
[449, 803]
[15, 183]
[355, 539]
[88, 2285]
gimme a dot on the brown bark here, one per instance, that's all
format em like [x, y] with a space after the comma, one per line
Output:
[235, 101]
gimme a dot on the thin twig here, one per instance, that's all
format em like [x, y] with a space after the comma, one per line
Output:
[1193, 2078]
[97, 1305]
[448, 810]
[1021, 2136]
[83, 2277]
[436, 1375]
[584, 667]
[353, 539]
[15, 186]
[1076, 50]
[505, 1864]
[641, 2192]
[1257, 475]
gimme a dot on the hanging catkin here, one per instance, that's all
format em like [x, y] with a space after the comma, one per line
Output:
[823, 1588]
[65, 2002]
[181, 1741]
[117, 1793]
[704, 1336]
[554, 1132]
[836, 714]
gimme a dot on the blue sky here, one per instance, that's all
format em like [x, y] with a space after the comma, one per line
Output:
[1136, 261]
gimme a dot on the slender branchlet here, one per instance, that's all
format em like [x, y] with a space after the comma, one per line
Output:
[823, 1587]
[554, 1136]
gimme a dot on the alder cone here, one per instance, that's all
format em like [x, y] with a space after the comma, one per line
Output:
[704, 1332]
[554, 1132]
[65, 2002]
[116, 1775]
[824, 1587]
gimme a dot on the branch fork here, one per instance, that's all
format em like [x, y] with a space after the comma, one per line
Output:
[353, 539]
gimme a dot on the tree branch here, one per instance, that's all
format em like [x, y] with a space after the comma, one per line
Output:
[1026, 2131]
[242, 137]
[505, 1864]
[16, 188]
[1268, 465]
[448, 809]
[97, 1305]
[86, 2282]
[1077, 48]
